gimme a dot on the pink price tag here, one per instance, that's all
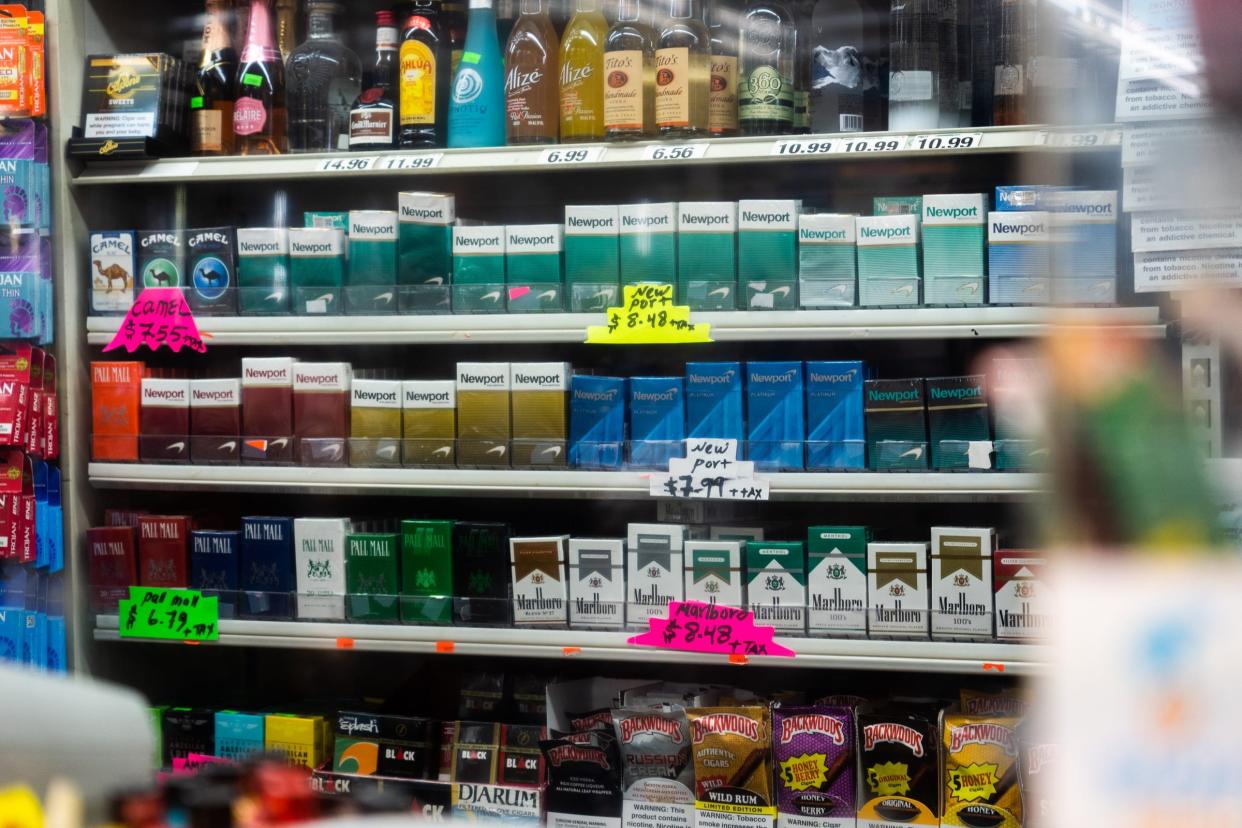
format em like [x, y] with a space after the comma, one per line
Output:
[160, 316]
[193, 761]
[710, 628]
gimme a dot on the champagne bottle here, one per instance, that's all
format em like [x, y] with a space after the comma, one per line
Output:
[259, 113]
[211, 109]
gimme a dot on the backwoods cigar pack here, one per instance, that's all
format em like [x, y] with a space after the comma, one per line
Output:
[584, 780]
[657, 773]
[732, 749]
[814, 757]
[980, 771]
[900, 766]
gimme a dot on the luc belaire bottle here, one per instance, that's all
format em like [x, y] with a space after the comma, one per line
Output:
[423, 77]
[532, 63]
[683, 70]
[629, 76]
[259, 111]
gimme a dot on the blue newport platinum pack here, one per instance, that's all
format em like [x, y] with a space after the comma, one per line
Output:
[767, 253]
[888, 260]
[835, 438]
[648, 242]
[596, 421]
[657, 420]
[827, 259]
[592, 257]
[714, 400]
[1019, 258]
[775, 428]
[707, 254]
[1084, 246]
[1022, 198]
[953, 245]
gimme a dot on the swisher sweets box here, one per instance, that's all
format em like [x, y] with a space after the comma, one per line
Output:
[539, 597]
[837, 580]
[961, 577]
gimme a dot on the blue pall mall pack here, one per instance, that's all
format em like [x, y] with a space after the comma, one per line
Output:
[1020, 258]
[775, 425]
[596, 422]
[835, 437]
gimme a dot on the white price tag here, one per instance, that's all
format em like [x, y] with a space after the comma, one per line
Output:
[421, 161]
[801, 146]
[1081, 138]
[348, 163]
[710, 471]
[674, 152]
[945, 141]
[571, 155]
[875, 143]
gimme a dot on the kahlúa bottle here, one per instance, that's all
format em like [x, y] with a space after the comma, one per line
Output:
[532, 58]
[211, 109]
[582, 74]
[477, 107]
[259, 112]
[629, 76]
[423, 76]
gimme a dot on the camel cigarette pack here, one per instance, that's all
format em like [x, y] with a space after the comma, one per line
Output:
[835, 436]
[953, 249]
[654, 571]
[161, 259]
[319, 551]
[425, 238]
[957, 413]
[112, 271]
[429, 422]
[371, 576]
[481, 573]
[961, 580]
[597, 583]
[837, 580]
[263, 270]
[316, 269]
[888, 260]
[211, 271]
[897, 593]
[427, 571]
[776, 584]
[267, 566]
[483, 422]
[539, 412]
[647, 236]
[714, 572]
[539, 594]
[372, 274]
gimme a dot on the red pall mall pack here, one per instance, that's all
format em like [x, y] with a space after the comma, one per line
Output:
[17, 507]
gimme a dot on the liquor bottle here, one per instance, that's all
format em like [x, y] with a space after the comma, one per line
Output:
[982, 50]
[964, 62]
[259, 111]
[837, 63]
[683, 73]
[324, 77]
[803, 11]
[211, 109]
[582, 74]
[477, 108]
[629, 76]
[373, 120]
[914, 65]
[765, 93]
[1009, 81]
[423, 76]
[723, 17]
[532, 57]
[947, 39]
[454, 14]
[286, 27]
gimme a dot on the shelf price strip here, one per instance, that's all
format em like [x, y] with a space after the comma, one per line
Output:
[801, 146]
[159, 316]
[696, 627]
[564, 156]
[422, 161]
[349, 163]
[945, 141]
[648, 317]
[169, 615]
[879, 143]
[674, 152]
[710, 471]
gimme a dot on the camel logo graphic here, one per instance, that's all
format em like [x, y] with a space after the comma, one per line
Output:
[112, 273]
[210, 278]
[160, 273]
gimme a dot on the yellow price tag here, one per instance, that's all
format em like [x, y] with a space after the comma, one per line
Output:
[648, 317]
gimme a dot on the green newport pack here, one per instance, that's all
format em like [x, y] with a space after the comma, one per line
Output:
[479, 268]
[316, 269]
[592, 257]
[957, 415]
[707, 254]
[647, 237]
[263, 270]
[896, 424]
[427, 571]
[425, 249]
[332, 220]
[371, 283]
[888, 260]
[897, 206]
[533, 267]
[776, 584]
[953, 249]
[827, 260]
[837, 580]
[767, 253]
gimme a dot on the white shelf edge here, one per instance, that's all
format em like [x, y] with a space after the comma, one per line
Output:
[964, 486]
[1024, 138]
[728, 326]
[835, 653]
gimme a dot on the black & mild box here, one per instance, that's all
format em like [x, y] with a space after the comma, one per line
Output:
[957, 416]
[161, 259]
[896, 424]
[961, 582]
[425, 250]
[776, 584]
[837, 580]
[112, 271]
[212, 268]
[597, 583]
[262, 270]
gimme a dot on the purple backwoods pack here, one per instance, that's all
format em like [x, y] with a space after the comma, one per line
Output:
[813, 749]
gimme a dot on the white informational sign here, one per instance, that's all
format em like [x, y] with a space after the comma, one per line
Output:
[1160, 39]
[1143, 145]
[710, 471]
[1187, 269]
[1163, 99]
[1185, 230]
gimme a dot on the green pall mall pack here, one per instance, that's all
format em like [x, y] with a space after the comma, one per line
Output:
[533, 271]
[888, 260]
[827, 260]
[954, 243]
[767, 253]
[425, 250]
[316, 269]
[707, 254]
[479, 268]
[370, 286]
[836, 580]
[371, 569]
[957, 421]
[263, 270]
[647, 238]
[427, 571]
[592, 257]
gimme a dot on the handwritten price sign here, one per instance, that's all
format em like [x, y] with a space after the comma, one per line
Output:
[160, 316]
[648, 317]
[169, 614]
[710, 628]
[710, 471]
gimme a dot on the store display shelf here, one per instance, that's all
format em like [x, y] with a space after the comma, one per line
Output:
[841, 147]
[635, 485]
[840, 654]
[727, 326]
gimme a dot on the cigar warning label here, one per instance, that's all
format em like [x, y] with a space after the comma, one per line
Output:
[971, 783]
[889, 778]
[804, 772]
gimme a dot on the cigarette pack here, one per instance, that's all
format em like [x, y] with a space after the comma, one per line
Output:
[775, 426]
[319, 550]
[835, 436]
[837, 580]
[320, 411]
[597, 583]
[597, 421]
[371, 576]
[767, 253]
[654, 570]
[215, 421]
[776, 584]
[375, 421]
[953, 245]
[896, 424]
[164, 421]
[478, 268]
[267, 566]
[212, 267]
[897, 206]
[215, 566]
[112, 269]
[483, 404]
[1022, 198]
[714, 400]
[267, 409]
[539, 597]
[238, 735]
[714, 572]
[161, 258]
[1019, 258]
[1023, 598]
[957, 415]
[300, 739]
[533, 254]
[263, 270]
[116, 394]
[961, 576]
[647, 237]
[592, 257]
[112, 563]
[707, 254]
[163, 559]
[428, 422]
[1084, 246]
[425, 241]
[370, 282]
[657, 420]
[187, 730]
[427, 571]
[897, 594]
[540, 412]
[827, 260]
[888, 260]
[736, 533]
[316, 269]
[481, 573]
[369, 744]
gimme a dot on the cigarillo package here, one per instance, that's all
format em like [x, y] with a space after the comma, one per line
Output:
[584, 781]
[1007, 703]
[599, 719]
[732, 749]
[657, 774]
[899, 755]
[1039, 758]
[813, 751]
[981, 771]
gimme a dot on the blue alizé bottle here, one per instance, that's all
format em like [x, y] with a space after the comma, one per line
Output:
[477, 105]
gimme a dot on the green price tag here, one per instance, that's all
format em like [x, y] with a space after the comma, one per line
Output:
[470, 57]
[251, 79]
[196, 102]
[169, 614]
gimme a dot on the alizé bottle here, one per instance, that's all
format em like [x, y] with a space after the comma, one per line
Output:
[532, 61]
[582, 74]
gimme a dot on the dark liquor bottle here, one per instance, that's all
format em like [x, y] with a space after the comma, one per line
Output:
[324, 77]
[1009, 75]
[948, 64]
[211, 109]
[765, 95]
[454, 17]
[373, 120]
[423, 76]
[259, 111]
[803, 13]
